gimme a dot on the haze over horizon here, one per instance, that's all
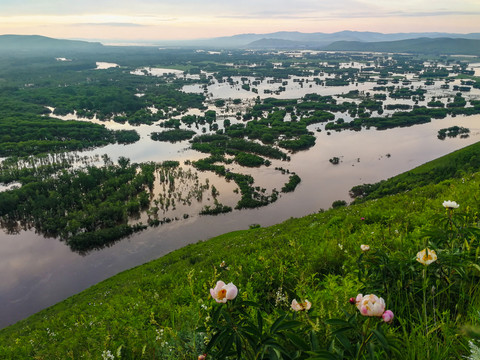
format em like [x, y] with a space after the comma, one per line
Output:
[148, 20]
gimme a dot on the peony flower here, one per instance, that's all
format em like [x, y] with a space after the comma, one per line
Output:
[370, 305]
[426, 256]
[364, 247]
[447, 204]
[306, 305]
[388, 316]
[202, 357]
[221, 292]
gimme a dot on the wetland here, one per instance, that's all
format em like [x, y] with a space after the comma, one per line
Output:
[109, 163]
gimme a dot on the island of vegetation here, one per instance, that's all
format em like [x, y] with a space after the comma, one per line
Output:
[452, 132]
[52, 109]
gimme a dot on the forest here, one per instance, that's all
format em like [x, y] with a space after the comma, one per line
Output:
[52, 107]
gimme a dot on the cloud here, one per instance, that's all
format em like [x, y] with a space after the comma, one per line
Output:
[262, 15]
[194, 18]
[335, 14]
[432, 13]
[246, 9]
[110, 24]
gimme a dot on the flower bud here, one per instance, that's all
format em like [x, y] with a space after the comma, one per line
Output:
[387, 316]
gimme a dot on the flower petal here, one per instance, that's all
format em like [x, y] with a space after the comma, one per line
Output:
[232, 291]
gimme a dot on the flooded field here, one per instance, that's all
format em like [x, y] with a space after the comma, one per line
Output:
[38, 271]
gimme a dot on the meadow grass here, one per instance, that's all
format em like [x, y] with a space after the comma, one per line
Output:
[153, 311]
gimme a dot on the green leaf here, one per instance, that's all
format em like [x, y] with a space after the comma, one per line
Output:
[238, 345]
[215, 338]
[216, 314]
[475, 266]
[342, 330]
[371, 351]
[344, 342]
[337, 322]
[249, 303]
[288, 325]
[226, 347]
[277, 353]
[322, 355]
[252, 340]
[381, 338]
[251, 330]
[277, 323]
[260, 321]
[314, 341]
[297, 340]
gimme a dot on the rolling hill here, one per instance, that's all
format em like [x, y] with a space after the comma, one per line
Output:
[436, 46]
[36, 43]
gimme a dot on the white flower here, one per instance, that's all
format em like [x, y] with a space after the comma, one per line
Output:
[364, 247]
[107, 355]
[426, 256]
[448, 204]
[306, 305]
[221, 292]
[370, 305]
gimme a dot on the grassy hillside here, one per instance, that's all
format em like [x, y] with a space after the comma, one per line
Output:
[163, 309]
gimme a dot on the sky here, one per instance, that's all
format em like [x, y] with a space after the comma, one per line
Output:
[152, 20]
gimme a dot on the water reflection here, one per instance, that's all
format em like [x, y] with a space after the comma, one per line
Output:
[38, 271]
[105, 65]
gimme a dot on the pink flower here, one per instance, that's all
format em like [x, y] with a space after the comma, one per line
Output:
[221, 292]
[362, 218]
[202, 357]
[387, 316]
[370, 305]
[364, 248]
[306, 305]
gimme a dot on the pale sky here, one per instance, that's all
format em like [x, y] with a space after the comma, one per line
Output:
[135, 20]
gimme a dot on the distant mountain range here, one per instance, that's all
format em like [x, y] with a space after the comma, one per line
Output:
[436, 46]
[439, 46]
[426, 43]
[35, 43]
[315, 40]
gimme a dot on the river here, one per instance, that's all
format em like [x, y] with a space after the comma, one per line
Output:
[37, 272]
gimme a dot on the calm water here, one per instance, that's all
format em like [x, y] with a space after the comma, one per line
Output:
[38, 272]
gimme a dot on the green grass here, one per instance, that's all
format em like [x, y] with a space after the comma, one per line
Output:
[153, 310]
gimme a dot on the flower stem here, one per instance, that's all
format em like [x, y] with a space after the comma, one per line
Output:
[425, 283]
[364, 340]
[364, 343]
